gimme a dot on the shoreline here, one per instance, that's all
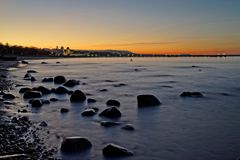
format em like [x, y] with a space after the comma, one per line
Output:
[19, 137]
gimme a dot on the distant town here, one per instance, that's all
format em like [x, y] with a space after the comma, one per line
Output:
[8, 52]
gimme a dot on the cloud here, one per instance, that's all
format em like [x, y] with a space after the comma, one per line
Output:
[135, 44]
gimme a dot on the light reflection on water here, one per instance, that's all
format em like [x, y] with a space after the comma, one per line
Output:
[203, 128]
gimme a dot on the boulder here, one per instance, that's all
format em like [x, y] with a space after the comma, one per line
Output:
[88, 112]
[77, 96]
[64, 110]
[112, 112]
[33, 79]
[113, 150]
[31, 71]
[191, 94]
[91, 100]
[147, 100]
[8, 96]
[61, 90]
[32, 94]
[71, 83]
[27, 76]
[59, 79]
[23, 90]
[36, 103]
[50, 79]
[128, 127]
[24, 62]
[53, 99]
[75, 144]
[109, 124]
[42, 89]
[113, 102]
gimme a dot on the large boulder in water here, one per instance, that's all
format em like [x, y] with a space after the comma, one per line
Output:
[50, 79]
[191, 94]
[61, 90]
[113, 150]
[71, 83]
[8, 96]
[78, 96]
[42, 89]
[75, 144]
[113, 102]
[32, 94]
[147, 100]
[112, 112]
[59, 79]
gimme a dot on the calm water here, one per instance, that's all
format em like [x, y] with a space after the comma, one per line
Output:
[181, 128]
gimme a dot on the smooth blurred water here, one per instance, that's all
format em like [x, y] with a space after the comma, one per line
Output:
[181, 128]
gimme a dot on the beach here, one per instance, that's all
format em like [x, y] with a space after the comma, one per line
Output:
[198, 106]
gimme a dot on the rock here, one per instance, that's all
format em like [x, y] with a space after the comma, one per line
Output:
[24, 62]
[75, 144]
[59, 79]
[109, 124]
[36, 103]
[103, 90]
[112, 112]
[43, 90]
[191, 94]
[44, 63]
[8, 96]
[27, 76]
[113, 150]
[47, 80]
[78, 96]
[91, 100]
[61, 90]
[113, 102]
[43, 124]
[119, 85]
[64, 110]
[14, 120]
[71, 83]
[8, 102]
[57, 62]
[128, 127]
[32, 94]
[33, 79]
[88, 112]
[53, 99]
[45, 101]
[23, 90]
[147, 100]
[31, 71]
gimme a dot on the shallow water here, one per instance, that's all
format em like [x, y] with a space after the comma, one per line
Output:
[181, 128]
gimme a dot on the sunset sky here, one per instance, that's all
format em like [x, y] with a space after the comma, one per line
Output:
[142, 26]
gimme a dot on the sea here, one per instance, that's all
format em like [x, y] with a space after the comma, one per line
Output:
[206, 128]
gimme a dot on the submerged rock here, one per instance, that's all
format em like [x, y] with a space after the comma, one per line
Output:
[147, 100]
[50, 79]
[128, 127]
[78, 96]
[59, 79]
[113, 150]
[112, 112]
[23, 90]
[91, 100]
[36, 103]
[75, 144]
[113, 102]
[31, 71]
[71, 83]
[33, 79]
[109, 124]
[103, 90]
[191, 94]
[64, 110]
[32, 94]
[8, 96]
[53, 99]
[88, 112]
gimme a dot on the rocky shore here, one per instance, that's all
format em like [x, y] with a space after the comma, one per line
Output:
[19, 137]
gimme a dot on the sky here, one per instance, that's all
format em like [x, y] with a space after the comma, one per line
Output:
[140, 26]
